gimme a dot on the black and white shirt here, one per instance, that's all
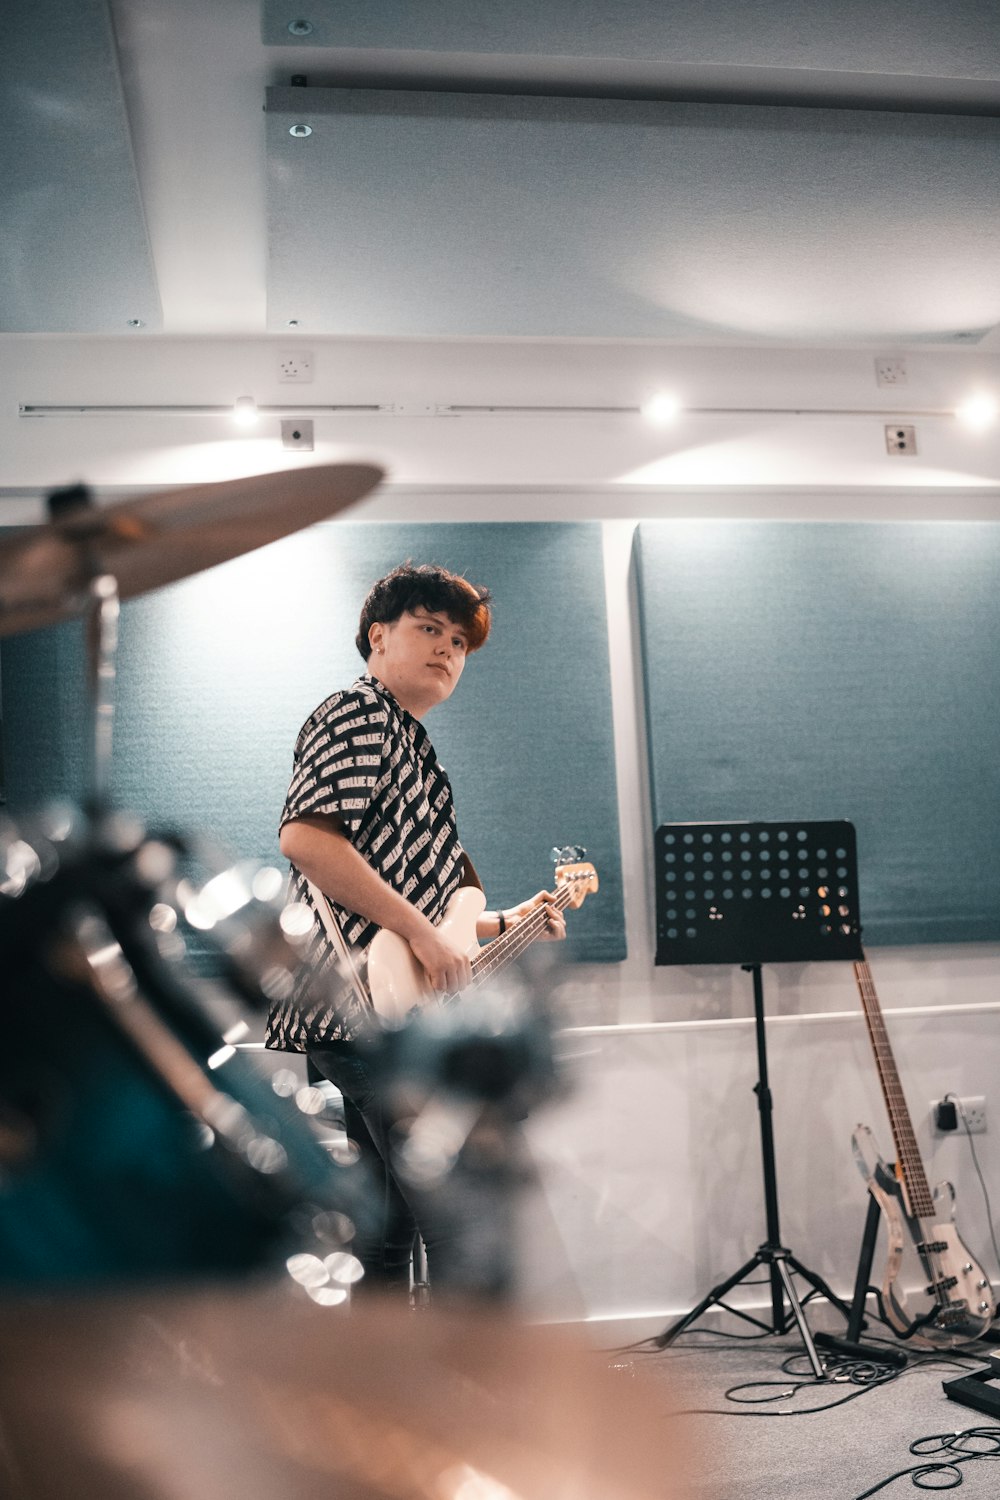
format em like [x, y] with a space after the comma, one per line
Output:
[367, 761]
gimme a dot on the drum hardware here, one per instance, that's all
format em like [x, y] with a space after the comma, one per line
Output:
[133, 1144]
[192, 1163]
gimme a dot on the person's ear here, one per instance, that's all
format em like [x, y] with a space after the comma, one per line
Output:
[376, 637]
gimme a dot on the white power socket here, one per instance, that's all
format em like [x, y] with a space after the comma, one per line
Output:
[296, 365]
[890, 371]
[971, 1115]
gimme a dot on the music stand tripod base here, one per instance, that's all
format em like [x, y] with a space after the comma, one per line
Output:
[754, 893]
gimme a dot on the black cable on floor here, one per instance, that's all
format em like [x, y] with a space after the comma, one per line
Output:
[865, 1375]
[949, 1475]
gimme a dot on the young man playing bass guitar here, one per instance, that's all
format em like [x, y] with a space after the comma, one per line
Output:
[369, 824]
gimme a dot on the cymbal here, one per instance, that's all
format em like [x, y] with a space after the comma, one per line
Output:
[256, 1392]
[151, 540]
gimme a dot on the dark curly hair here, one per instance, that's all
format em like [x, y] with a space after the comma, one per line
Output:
[411, 586]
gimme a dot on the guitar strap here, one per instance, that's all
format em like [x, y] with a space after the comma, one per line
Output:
[345, 956]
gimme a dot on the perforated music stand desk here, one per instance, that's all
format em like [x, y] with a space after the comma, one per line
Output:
[749, 894]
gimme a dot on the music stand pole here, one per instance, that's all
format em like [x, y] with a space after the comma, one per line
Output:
[772, 1254]
[765, 1110]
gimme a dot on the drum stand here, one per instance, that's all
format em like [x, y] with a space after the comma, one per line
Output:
[99, 604]
[102, 613]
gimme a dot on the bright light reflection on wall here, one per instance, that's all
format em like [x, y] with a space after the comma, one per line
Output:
[233, 458]
[791, 455]
[241, 615]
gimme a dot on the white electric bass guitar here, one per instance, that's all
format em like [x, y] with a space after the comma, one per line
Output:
[955, 1300]
[396, 981]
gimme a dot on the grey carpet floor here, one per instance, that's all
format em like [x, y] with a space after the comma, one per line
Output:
[836, 1454]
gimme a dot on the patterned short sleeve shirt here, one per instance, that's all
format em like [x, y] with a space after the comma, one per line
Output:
[364, 759]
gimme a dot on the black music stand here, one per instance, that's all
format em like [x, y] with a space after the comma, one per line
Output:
[749, 894]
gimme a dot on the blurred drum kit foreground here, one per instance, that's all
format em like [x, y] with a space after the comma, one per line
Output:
[173, 1233]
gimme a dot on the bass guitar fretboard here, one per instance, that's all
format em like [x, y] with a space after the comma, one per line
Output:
[908, 1160]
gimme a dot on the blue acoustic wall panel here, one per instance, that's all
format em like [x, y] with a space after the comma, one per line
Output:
[836, 671]
[216, 675]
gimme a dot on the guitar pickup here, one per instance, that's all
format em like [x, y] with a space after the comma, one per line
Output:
[944, 1285]
[933, 1247]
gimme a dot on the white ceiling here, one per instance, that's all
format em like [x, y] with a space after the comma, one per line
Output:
[819, 236]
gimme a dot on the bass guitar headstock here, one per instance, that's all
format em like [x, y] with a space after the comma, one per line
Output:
[572, 872]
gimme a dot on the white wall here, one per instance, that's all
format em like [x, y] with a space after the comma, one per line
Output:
[768, 420]
[652, 1170]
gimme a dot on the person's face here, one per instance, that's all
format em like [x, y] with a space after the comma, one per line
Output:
[419, 657]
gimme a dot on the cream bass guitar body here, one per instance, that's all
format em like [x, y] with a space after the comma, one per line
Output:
[396, 981]
[954, 1299]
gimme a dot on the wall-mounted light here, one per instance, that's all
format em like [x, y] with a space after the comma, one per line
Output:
[660, 409]
[978, 411]
[245, 412]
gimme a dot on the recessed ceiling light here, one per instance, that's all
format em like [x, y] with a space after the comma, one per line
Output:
[299, 131]
[134, 323]
[300, 28]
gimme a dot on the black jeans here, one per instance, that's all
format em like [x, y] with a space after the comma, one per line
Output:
[386, 1252]
[464, 1220]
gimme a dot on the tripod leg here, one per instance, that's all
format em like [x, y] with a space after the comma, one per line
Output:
[715, 1295]
[799, 1317]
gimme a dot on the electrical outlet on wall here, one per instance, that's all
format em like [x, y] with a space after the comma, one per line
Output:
[890, 371]
[297, 432]
[900, 438]
[296, 365]
[967, 1114]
